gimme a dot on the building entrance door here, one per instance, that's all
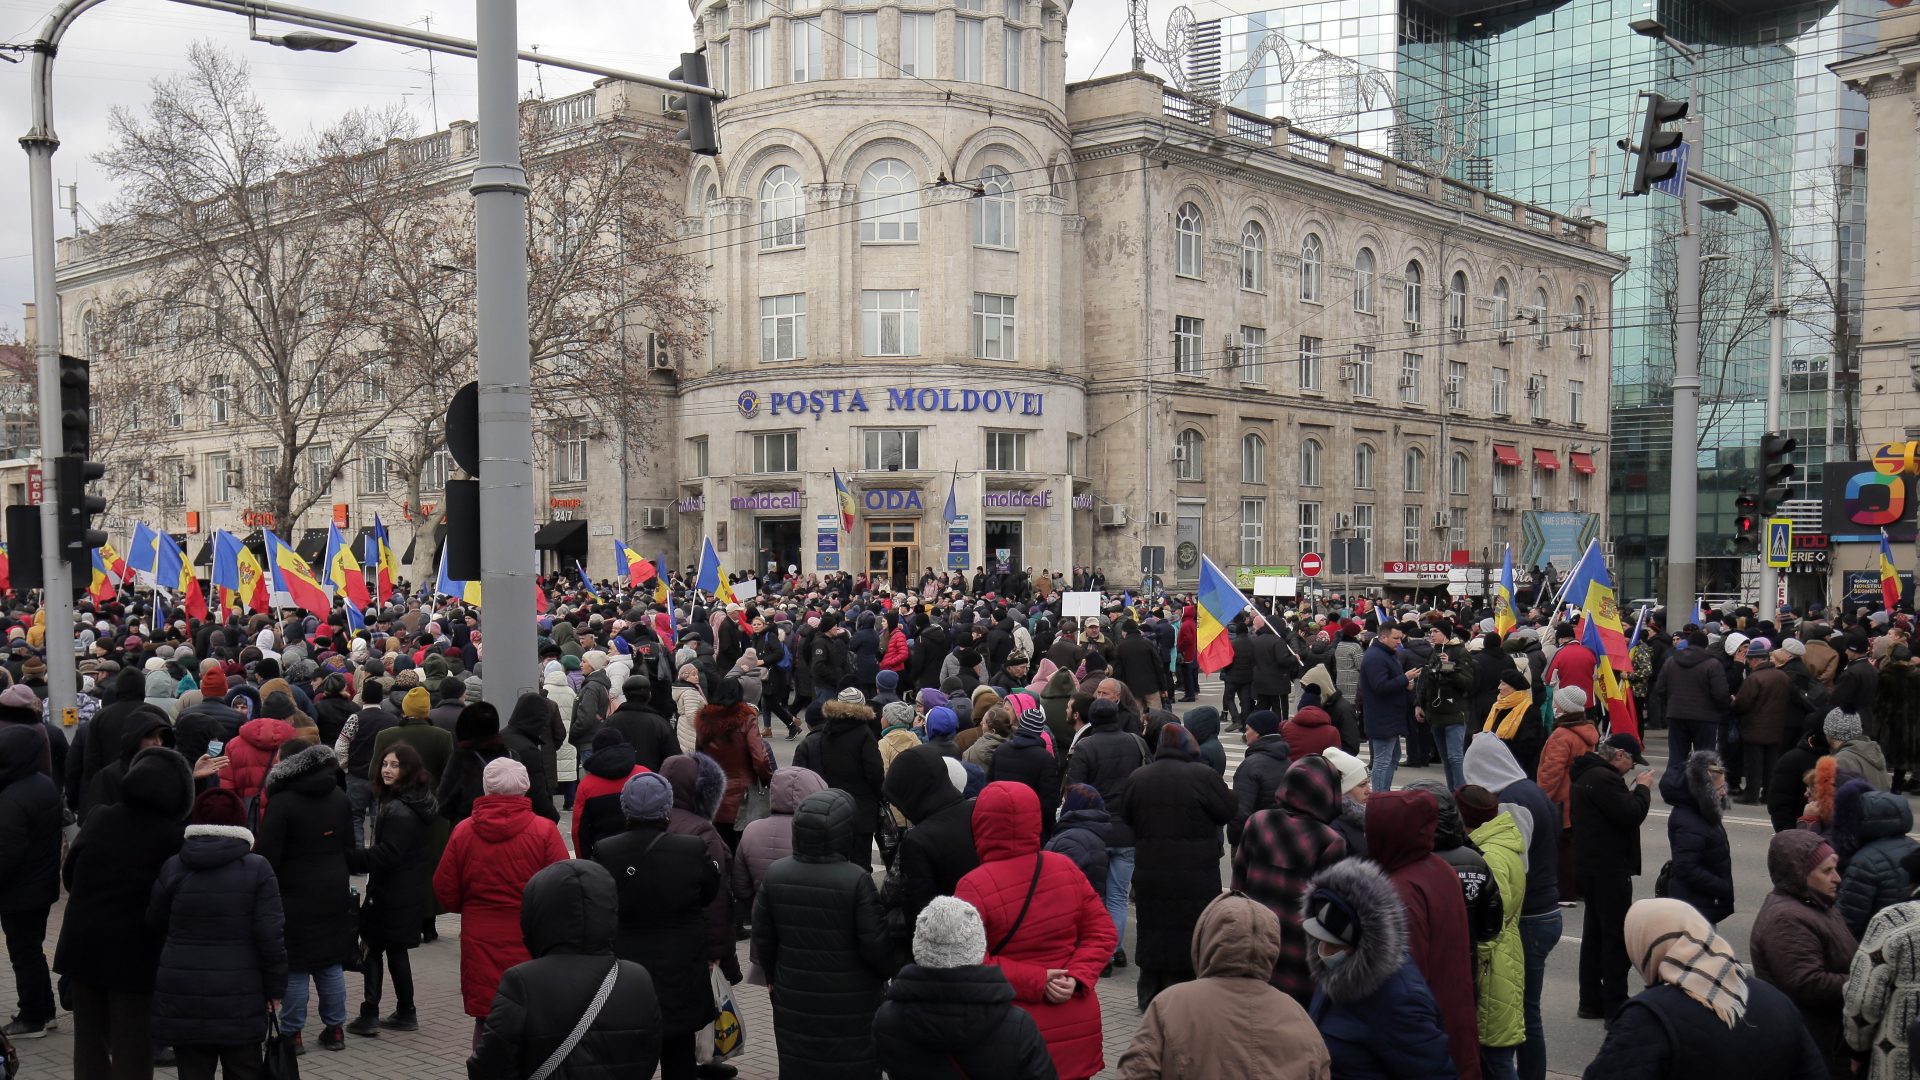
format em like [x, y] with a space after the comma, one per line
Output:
[779, 546]
[1003, 547]
[893, 553]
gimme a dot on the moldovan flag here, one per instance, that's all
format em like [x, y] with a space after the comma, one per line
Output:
[1218, 602]
[1620, 713]
[115, 565]
[844, 498]
[99, 588]
[238, 575]
[1889, 577]
[380, 557]
[170, 571]
[1504, 616]
[142, 551]
[631, 563]
[468, 591]
[661, 595]
[293, 576]
[347, 577]
[586, 583]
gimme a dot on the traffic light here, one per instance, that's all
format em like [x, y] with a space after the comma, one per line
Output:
[1775, 471]
[1655, 140]
[698, 134]
[73, 472]
[1746, 524]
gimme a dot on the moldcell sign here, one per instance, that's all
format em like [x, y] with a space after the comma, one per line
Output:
[1017, 498]
[800, 402]
[770, 500]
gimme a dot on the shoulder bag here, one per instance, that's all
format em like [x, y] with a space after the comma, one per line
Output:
[586, 1020]
[1039, 860]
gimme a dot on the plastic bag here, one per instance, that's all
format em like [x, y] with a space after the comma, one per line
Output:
[726, 1036]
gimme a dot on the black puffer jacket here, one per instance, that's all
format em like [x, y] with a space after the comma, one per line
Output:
[1692, 686]
[218, 906]
[1174, 807]
[29, 824]
[305, 835]
[1025, 759]
[529, 738]
[1103, 758]
[1082, 837]
[110, 870]
[399, 866]
[957, 1023]
[938, 850]
[650, 734]
[140, 724]
[665, 888]
[1275, 665]
[568, 917]
[924, 657]
[850, 760]
[698, 784]
[821, 939]
[1256, 783]
[1607, 814]
[1702, 859]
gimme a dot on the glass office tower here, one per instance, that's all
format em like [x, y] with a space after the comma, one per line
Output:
[1530, 99]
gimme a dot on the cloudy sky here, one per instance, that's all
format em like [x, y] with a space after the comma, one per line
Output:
[115, 51]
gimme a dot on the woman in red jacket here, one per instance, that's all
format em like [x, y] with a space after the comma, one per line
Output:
[1047, 931]
[894, 655]
[1311, 731]
[727, 730]
[485, 870]
[250, 757]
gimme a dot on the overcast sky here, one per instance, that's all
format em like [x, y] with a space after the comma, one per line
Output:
[114, 51]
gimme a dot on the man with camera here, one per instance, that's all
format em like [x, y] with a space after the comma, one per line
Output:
[1443, 696]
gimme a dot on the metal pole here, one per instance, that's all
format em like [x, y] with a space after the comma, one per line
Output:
[1684, 501]
[500, 192]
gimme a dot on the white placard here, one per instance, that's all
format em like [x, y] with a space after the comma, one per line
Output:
[746, 590]
[1274, 586]
[1080, 605]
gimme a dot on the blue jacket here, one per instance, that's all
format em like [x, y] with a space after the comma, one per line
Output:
[1082, 837]
[1874, 879]
[1702, 860]
[1383, 692]
[1394, 1034]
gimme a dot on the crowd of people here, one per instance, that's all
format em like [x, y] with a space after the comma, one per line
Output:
[983, 795]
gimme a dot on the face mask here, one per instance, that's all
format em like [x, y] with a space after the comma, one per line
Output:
[1333, 962]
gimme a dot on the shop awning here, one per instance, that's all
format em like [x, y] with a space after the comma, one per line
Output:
[312, 546]
[1582, 463]
[555, 535]
[205, 558]
[1545, 459]
[1506, 455]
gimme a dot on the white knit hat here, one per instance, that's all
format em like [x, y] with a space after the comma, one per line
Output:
[1353, 771]
[949, 934]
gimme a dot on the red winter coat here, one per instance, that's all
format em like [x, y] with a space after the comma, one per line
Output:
[1189, 640]
[1311, 731]
[251, 755]
[1067, 925]
[730, 735]
[1400, 828]
[482, 876]
[896, 654]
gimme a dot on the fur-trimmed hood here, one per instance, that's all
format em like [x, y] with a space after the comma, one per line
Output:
[845, 715]
[1382, 948]
[1692, 786]
[698, 783]
[314, 760]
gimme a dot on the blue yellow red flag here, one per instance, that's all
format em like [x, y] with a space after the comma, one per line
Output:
[293, 576]
[1505, 618]
[1218, 602]
[1889, 576]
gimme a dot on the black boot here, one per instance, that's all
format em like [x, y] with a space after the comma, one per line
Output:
[368, 1022]
[401, 1020]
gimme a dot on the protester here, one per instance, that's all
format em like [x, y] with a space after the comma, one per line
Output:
[1875, 876]
[1400, 832]
[767, 841]
[1082, 834]
[305, 835]
[698, 783]
[1883, 989]
[1256, 783]
[1280, 852]
[1850, 748]
[1384, 702]
[727, 730]
[1500, 834]
[1310, 731]
[1691, 692]
[1356, 783]
[1607, 813]
[849, 759]
[596, 801]
[1026, 758]
[30, 821]
[1800, 942]
[398, 863]
[938, 850]
[1103, 757]
[1702, 866]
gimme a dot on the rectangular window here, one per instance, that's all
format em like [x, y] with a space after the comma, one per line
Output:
[759, 59]
[262, 465]
[916, 45]
[373, 467]
[1577, 489]
[1499, 537]
[1363, 531]
[219, 397]
[967, 65]
[1186, 345]
[970, 5]
[1542, 485]
[570, 453]
[373, 385]
[1456, 385]
[1537, 396]
[1576, 402]
[698, 452]
[993, 327]
[776, 452]
[1310, 363]
[890, 322]
[1007, 451]
[1014, 59]
[756, 10]
[860, 46]
[1309, 528]
[1253, 354]
[806, 50]
[1411, 366]
[1410, 533]
[1253, 532]
[1497, 394]
[176, 406]
[219, 478]
[783, 327]
[720, 69]
[892, 449]
[1015, 10]
[320, 468]
[436, 471]
[1502, 479]
[173, 473]
[1363, 371]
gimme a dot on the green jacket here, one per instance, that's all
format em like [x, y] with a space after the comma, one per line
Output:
[1447, 696]
[1500, 966]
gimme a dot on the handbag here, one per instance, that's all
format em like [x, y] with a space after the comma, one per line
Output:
[755, 803]
[579, 1029]
[278, 1060]
[725, 1036]
[1039, 860]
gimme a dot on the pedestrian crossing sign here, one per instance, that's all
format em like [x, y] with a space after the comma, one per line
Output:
[1779, 542]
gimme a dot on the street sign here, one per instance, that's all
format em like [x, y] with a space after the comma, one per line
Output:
[1676, 185]
[1310, 564]
[1779, 542]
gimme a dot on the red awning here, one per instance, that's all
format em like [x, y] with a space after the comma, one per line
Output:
[1545, 459]
[1506, 455]
[1582, 463]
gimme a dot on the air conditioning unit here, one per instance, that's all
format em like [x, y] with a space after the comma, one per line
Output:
[1583, 349]
[1111, 515]
[1343, 521]
[1456, 384]
[1407, 382]
[1459, 333]
[654, 517]
[1506, 335]
[1573, 502]
[1179, 454]
[1162, 518]
[1346, 371]
[1539, 502]
[659, 358]
[666, 104]
[1535, 386]
[1503, 502]
[1442, 519]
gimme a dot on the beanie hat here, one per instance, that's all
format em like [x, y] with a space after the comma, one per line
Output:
[1732, 642]
[1179, 739]
[1843, 726]
[949, 934]
[213, 684]
[594, 657]
[646, 797]
[897, 714]
[816, 714]
[942, 721]
[504, 776]
[417, 704]
[1331, 918]
[219, 806]
[1794, 646]
[1758, 646]
[1514, 678]
[887, 679]
[607, 738]
[475, 722]
[1021, 701]
[1353, 772]
[852, 696]
[932, 699]
[1264, 722]
[1034, 720]
[1082, 797]
[1477, 805]
[21, 696]
[570, 662]
[1569, 700]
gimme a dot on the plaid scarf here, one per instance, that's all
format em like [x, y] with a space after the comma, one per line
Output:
[1672, 943]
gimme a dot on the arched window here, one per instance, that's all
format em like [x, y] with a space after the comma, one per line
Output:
[783, 209]
[1363, 275]
[1189, 443]
[1578, 335]
[889, 203]
[1253, 459]
[1457, 301]
[1363, 466]
[1310, 463]
[89, 327]
[1186, 228]
[1416, 467]
[1458, 475]
[1253, 256]
[1410, 295]
[1502, 303]
[1540, 320]
[1311, 263]
[993, 212]
[701, 185]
